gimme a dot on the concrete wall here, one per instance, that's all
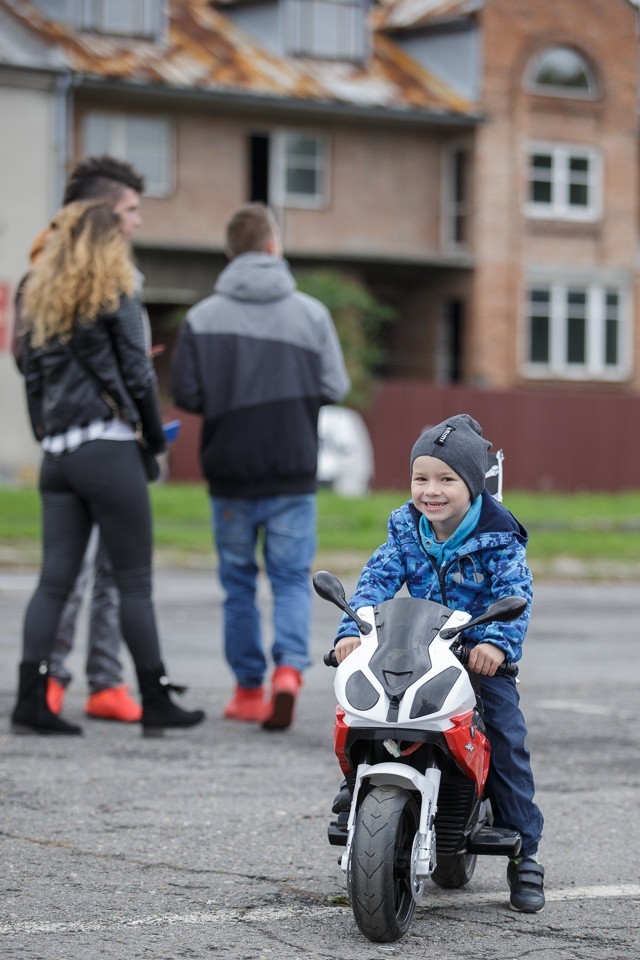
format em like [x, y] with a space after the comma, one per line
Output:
[27, 164]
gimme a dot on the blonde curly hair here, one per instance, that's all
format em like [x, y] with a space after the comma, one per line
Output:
[83, 270]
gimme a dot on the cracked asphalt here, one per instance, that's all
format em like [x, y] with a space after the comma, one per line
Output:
[212, 843]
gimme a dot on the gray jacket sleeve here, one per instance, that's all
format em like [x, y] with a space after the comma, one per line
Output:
[335, 382]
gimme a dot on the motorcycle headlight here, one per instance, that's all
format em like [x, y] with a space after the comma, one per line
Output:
[430, 697]
[361, 693]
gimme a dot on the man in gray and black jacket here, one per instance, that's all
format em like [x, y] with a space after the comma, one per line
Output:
[257, 360]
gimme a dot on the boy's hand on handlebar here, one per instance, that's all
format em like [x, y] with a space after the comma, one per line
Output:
[485, 658]
[346, 646]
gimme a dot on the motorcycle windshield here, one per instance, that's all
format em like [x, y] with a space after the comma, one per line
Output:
[406, 626]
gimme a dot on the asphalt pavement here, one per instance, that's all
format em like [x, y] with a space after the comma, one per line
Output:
[212, 843]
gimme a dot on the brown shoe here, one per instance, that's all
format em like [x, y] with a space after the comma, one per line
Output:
[114, 703]
[285, 684]
[247, 704]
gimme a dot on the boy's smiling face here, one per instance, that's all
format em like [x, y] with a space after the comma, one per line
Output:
[440, 494]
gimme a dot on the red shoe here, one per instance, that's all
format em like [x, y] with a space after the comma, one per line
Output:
[247, 704]
[114, 703]
[285, 684]
[55, 695]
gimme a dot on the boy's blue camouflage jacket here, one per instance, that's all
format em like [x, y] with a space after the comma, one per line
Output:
[490, 564]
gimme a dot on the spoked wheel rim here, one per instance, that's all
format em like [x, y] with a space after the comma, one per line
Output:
[417, 884]
[403, 872]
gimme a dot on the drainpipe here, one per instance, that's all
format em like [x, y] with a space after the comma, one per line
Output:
[63, 103]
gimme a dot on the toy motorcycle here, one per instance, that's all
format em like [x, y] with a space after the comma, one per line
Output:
[410, 726]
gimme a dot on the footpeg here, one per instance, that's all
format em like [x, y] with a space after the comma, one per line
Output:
[495, 841]
[337, 834]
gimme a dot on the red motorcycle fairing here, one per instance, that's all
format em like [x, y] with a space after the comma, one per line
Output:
[340, 732]
[469, 748]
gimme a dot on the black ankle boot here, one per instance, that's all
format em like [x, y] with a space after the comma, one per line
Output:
[31, 713]
[158, 709]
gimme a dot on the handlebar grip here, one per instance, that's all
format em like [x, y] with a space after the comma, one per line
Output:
[330, 659]
[504, 670]
[462, 654]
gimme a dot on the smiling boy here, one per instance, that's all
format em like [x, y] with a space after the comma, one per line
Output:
[454, 544]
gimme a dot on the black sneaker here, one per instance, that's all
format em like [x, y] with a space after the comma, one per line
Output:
[526, 880]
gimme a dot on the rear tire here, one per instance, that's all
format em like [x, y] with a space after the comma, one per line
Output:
[379, 881]
[454, 871]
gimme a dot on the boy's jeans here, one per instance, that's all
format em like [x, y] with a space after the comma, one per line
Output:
[287, 526]
[510, 785]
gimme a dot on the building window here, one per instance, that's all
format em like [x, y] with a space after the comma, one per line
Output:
[561, 72]
[304, 161]
[328, 29]
[564, 182]
[576, 331]
[456, 207]
[289, 169]
[129, 18]
[145, 142]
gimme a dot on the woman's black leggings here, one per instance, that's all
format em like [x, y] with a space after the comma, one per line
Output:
[101, 482]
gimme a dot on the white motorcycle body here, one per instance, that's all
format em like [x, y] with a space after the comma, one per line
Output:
[410, 739]
[460, 699]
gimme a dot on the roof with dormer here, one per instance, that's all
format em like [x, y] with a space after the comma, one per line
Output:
[205, 51]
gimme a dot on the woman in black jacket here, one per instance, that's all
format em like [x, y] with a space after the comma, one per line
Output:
[92, 398]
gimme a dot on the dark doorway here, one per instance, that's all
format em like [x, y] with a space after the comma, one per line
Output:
[452, 340]
[259, 168]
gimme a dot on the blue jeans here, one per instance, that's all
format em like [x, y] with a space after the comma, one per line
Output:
[510, 783]
[286, 527]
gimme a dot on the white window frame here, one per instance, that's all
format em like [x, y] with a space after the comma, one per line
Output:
[118, 147]
[452, 208]
[561, 90]
[594, 366]
[346, 20]
[150, 17]
[281, 197]
[559, 207]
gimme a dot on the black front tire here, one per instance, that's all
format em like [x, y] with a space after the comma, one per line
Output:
[455, 871]
[379, 881]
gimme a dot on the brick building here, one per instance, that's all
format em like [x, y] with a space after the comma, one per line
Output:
[474, 161]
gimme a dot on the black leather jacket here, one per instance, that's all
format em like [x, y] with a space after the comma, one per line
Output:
[64, 382]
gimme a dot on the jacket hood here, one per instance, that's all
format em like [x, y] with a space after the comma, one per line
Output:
[494, 517]
[256, 277]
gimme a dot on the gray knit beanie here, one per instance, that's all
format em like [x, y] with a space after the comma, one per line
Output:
[458, 442]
